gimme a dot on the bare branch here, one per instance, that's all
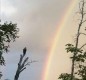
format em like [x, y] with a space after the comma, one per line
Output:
[80, 7]
[84, 13]
[24, 62]
[22, 69]
[83, 21]
[83, 33]
[82, 46]
[21, 65]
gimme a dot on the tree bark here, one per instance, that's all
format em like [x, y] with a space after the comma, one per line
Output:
[17, 75]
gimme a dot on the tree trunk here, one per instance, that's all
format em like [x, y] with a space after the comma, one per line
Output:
[16, 76]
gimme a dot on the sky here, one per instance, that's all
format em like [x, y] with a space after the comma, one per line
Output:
[39, 21]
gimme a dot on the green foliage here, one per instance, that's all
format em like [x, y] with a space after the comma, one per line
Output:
[80, 57]
[8, 33]
[81, 72]
[80, 60]
[64, 76]
[72, 49]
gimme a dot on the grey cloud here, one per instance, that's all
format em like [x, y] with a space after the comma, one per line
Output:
[37, 20]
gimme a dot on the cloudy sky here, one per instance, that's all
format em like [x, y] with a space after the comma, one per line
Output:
[37, 21]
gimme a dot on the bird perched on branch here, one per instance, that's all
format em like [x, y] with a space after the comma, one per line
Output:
[24, 51]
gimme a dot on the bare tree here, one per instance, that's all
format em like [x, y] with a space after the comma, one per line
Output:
[8, 33]
[23, 62]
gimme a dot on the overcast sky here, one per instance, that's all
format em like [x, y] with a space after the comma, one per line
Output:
[37, 21]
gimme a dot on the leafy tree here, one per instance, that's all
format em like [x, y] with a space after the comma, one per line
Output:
[78, 69]
[8, 33]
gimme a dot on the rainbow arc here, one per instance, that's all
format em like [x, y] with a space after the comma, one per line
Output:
[61, 25]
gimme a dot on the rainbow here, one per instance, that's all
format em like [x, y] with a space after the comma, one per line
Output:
[61, 25]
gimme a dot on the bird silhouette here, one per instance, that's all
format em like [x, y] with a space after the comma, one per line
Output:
[24, 51]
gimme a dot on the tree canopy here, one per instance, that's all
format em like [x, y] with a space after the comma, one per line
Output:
[8, 33]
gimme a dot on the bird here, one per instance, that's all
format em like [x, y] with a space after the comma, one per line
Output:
[24, 51]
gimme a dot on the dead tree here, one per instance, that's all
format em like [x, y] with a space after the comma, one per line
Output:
[23, 62]
[0, 75]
